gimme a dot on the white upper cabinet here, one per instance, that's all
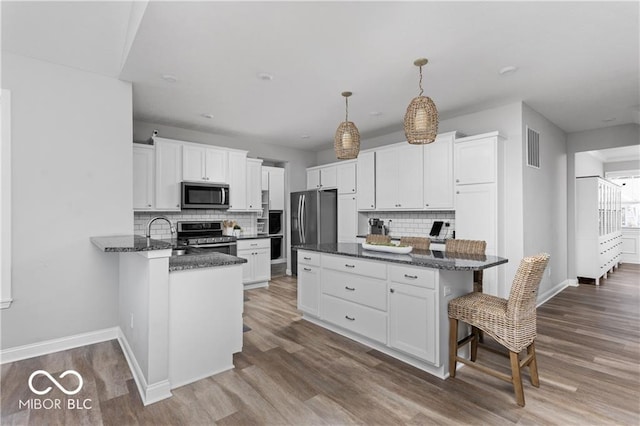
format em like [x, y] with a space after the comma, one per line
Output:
[168, 174]
[346, 177]
[203, 164]
[399, 177]
[143, 177]
[237, 180]
[475, 161]
[324, 177]
[366, 180]
[347, 218]
[254, 184]
[438, 173]
[276, 187]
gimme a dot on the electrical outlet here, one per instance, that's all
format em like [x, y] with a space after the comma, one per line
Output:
[447, 290]
[131, 322]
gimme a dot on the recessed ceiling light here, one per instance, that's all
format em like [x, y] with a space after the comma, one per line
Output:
[305, 136]
[508, 70]
[375, 113]
[206, 115]
[610, 119]
[169, 78]
[264, 76]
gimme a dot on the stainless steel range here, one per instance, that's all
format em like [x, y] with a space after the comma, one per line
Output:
[205, 237]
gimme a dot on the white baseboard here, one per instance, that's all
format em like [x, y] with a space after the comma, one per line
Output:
[56, 345]
[148, 393]
[547, 295]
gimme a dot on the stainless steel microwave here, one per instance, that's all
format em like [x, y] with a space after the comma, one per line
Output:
[197, 195]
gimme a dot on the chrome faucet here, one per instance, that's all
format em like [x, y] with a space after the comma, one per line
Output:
[153, 219]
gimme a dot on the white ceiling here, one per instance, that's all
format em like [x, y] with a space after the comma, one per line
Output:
[578, 62]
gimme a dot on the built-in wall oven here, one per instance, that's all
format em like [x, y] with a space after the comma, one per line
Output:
[206, 237]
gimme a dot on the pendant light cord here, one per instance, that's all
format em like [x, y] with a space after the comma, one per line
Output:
[346, 109]
[420, 84]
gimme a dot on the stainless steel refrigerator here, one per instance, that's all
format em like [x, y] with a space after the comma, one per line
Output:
[314, 220]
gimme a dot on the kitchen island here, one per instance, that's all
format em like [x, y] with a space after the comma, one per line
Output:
[395, 303]
[180, 317]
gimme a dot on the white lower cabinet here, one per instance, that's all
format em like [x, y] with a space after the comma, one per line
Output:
[309, 282]
[257, 271]
[360, 319]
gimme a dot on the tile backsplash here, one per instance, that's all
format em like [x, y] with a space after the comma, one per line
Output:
[414, 224]
[160, 229]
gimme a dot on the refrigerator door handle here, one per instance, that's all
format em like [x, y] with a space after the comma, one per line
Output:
[302, 210]
[300, 219]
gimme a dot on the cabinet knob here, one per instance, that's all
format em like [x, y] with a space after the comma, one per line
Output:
[391, 290]
[148, 205]
[371, 205]
[177, 205]
[427, 205]
[457, 192]
[457, 180]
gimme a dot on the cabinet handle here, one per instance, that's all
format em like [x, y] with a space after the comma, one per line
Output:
[307, 269]
[349, 288]
[413, 277]
[148, 205]
[427, 205]
[349, 266]
[177, 205]
[457, 180]
[306, 258]
[391, 290]
[371, 205]
[253, 245]
[457, 192]
[349, 318]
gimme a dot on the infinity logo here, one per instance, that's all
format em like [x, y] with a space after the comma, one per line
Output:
[55, 382]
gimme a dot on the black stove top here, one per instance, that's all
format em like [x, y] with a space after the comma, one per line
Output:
[202, 232]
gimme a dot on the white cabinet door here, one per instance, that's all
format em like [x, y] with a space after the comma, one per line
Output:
[265, 179]
[412, 321]
[193, 159]
[328, 177]
[476, 213]
[143, 177]
[346, 175]
[438, 174]
[168, 174]
[347, 218]
[262, 264]
[254, 184]
[409, 174]
[365, 180]
[247, 268]
[308, 288]
[276, 188]
[237, 180]
[475, 161]
[313, 179]
[216, 165]
[386, 179]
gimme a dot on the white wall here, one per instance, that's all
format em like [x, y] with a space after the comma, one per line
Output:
[591, 140]
[72, 174]
[545, 200]
[588, 164]
[621, 166]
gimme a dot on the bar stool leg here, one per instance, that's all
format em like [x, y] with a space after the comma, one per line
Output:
[516, 378]
[453, 346]
[533, 366]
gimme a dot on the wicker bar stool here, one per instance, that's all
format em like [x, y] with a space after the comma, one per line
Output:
[470, 247]
[511, 322]
[378, 239]
[419, 243]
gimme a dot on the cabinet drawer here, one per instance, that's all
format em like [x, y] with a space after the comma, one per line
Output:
[254, 244]
[355, 288]
[309, 258]
[355, 266]
[421, 277]
[357, 318]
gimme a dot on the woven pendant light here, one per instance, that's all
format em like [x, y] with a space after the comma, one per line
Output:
[421, 119]
[346, 143]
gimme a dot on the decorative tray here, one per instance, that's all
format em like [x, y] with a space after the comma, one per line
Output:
[388, 249]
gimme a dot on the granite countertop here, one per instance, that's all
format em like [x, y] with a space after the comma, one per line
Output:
[423, 258]
[129, 243]
[203, 260]
[433, 240]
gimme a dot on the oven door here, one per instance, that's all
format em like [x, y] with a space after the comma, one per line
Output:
[225, 248]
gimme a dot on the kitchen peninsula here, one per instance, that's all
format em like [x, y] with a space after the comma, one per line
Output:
[180, 317]
[395, 303]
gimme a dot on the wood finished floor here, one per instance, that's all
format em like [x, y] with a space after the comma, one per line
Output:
[293, 372]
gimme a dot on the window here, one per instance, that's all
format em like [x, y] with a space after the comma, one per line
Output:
[630, 183]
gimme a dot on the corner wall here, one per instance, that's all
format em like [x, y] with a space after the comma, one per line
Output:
[545, 201]
[72, 174]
